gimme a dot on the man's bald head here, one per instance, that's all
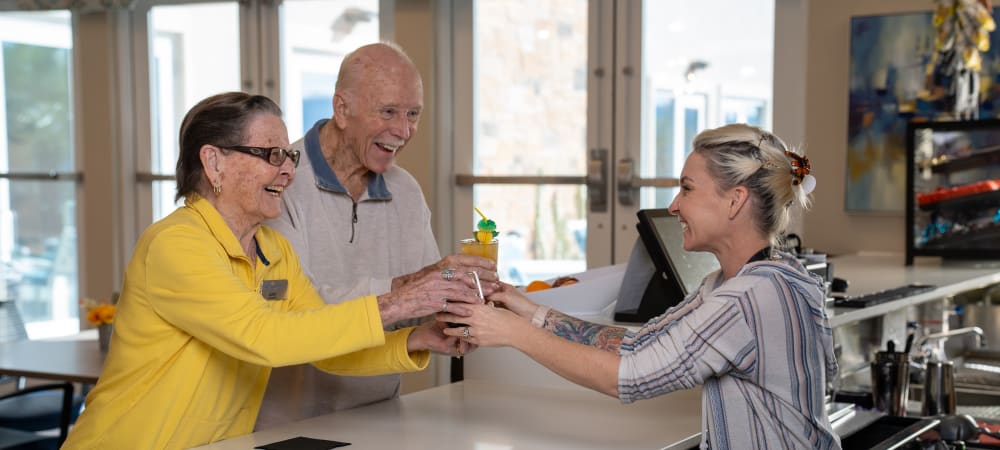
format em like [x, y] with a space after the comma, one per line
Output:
[374, 63]
[376, 106]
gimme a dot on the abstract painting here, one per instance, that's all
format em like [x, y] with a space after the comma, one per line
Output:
[891, 83]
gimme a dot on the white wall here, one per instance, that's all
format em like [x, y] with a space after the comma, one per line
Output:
[828, 227]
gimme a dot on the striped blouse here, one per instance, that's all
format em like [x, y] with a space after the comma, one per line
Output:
[761, 345]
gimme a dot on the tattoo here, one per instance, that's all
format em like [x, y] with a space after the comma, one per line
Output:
[603, 337]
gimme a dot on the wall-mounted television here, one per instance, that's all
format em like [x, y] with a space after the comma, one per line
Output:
[953, 189]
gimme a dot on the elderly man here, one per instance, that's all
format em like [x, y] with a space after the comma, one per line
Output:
[360, 223]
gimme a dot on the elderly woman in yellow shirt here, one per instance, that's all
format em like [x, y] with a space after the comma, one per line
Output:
[212, 300]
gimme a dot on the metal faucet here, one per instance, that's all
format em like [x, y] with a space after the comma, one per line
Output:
[951, 333]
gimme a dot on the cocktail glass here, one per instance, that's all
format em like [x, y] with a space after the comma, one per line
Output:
[488, 250]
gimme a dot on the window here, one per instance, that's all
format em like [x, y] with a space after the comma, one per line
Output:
[38, 179]
[315, 37]
[194, 53]
[187, 38]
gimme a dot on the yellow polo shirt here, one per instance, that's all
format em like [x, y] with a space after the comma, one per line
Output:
[195, 338]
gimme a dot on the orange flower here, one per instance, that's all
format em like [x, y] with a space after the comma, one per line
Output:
[106, 313]
[98, 313]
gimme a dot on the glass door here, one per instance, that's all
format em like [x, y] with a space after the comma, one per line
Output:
[681, 67]
[527, 127]
[570, 116]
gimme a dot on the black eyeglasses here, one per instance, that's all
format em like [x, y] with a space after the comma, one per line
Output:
[274, 155]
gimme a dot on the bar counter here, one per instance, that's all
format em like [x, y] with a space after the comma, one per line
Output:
[494, 416]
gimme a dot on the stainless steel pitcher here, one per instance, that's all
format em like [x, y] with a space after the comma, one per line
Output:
[939, 389]
[891, 382]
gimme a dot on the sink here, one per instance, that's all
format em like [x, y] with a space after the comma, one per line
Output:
[977, 380]
[977, 386]
[980, 368]
[968, 397]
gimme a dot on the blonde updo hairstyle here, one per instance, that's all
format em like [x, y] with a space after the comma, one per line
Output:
[744, 155]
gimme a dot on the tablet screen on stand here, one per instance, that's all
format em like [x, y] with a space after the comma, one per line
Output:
[660, 272]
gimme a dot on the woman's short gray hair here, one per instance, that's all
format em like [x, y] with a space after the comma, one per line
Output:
[217, 120]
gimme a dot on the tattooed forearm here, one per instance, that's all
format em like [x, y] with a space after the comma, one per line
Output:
[583, 332]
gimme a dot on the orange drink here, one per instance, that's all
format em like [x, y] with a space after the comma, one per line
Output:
[486, 250]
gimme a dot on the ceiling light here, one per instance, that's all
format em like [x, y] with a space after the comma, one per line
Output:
[693, 68]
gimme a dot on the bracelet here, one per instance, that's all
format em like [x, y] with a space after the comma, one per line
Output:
[538, 319]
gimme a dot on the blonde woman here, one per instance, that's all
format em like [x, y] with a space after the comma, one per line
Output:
[755, 334]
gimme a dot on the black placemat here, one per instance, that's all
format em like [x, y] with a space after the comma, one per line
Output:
[303, 443]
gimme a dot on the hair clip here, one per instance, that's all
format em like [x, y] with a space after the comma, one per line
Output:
[800, 172]
[800, 166]
[756, 152]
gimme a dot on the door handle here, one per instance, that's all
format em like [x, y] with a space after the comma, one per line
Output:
[597, 175]
[629, 183]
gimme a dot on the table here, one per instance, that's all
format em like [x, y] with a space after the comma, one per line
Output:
[76, 358]
[489, 415]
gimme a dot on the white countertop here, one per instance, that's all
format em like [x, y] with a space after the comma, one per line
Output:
[493, 416]
[594, 298]
[871, 272]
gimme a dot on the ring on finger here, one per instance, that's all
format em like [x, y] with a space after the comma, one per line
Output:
[444, 307]
[465, 333]
[448, 274]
